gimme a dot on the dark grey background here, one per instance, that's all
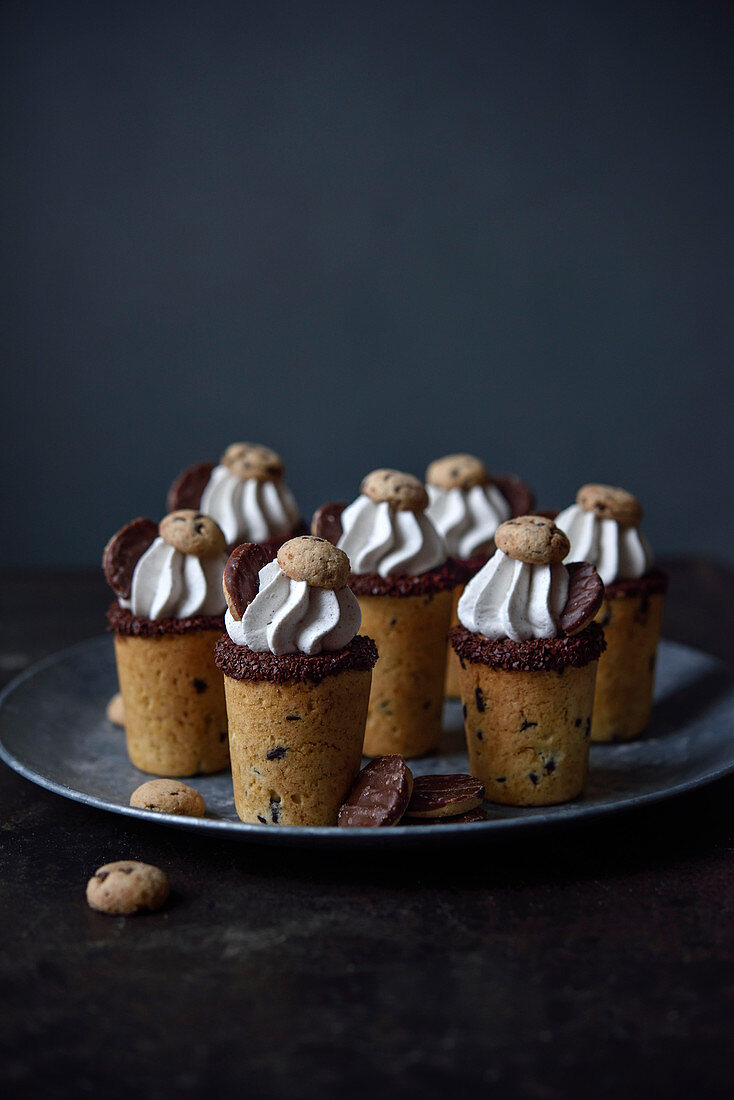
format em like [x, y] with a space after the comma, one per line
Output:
[366, 234]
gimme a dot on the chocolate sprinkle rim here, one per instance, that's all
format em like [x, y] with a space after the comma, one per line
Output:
[534, 655]
[654, 582]
[448, 575]
[124, 622]
[239, 662]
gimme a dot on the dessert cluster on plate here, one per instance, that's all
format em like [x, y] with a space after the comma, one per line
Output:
[238, 643]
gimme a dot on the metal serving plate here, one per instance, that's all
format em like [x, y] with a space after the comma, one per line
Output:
[53, 731]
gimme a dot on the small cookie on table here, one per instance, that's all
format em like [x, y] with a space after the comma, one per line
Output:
[126, 887]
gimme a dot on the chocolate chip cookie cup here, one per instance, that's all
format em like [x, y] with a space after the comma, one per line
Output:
[466, 505]
[166, 621]
[404, 582]
[528, 699]
[296, 719]
[603, 527]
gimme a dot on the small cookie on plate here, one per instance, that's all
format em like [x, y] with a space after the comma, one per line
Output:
[168, 796]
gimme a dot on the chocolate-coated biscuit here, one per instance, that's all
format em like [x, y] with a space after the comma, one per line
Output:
[585, 596]
[116, 710]
[380, 795]
[327, 521]
[532, 539]
[192, 532]
[314, 560]
[168, 796]
[252, 460]
[444, 795]
[126, 887]
[610, 502]
[240, 580]
[457, 472]
[402, 491]
[188, 487]
[478, 814]
[123, 552]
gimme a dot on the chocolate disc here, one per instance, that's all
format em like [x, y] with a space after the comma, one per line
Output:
[240, 581]
[585, 595]
[517, 494]
[187, 488]
[326, 522]
[445, 795]
[123, 552]
[479, 814]
[380, 795]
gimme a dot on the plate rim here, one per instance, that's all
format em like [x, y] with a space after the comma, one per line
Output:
[397, 835]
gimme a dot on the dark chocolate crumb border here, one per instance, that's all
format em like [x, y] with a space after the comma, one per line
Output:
[649, 584]
[123, 621]
[535, 655]
[449, 575]
[239, 662]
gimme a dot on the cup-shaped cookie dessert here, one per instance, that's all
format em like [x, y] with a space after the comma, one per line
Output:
[528, 651]
[167, 619]
[244, 493]
[297, 681]
[603, 528]
[466, 505]
[404, 581]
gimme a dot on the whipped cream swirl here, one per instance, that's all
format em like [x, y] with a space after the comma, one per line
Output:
[290, 616]
[617, 553]
[251, 510]
[467, 518]
[378, 538]
[167, 584]
[511, 599]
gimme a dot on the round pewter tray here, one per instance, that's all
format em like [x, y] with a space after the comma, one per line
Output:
[53, 731]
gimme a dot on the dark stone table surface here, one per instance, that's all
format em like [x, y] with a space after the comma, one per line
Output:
[591, 961]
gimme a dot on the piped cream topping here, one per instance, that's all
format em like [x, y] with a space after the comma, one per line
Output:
[513, 599]
[618, 553]
[290, 616]
[250, 510]
[379, 538]
[168, 584]
[467, 518]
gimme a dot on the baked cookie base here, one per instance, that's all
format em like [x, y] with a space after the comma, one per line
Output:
[452, 682]
[406, 700]
[624, 682]
[528, 732]
[175, 714]
[296, 746]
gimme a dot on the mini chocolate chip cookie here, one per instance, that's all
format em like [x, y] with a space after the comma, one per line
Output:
[168, 796]
[532, 539]
[252, 460]
[193, 533]
[126, 887]
[402, 491]
[610, 502]
[314, 560]
[457, 472]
